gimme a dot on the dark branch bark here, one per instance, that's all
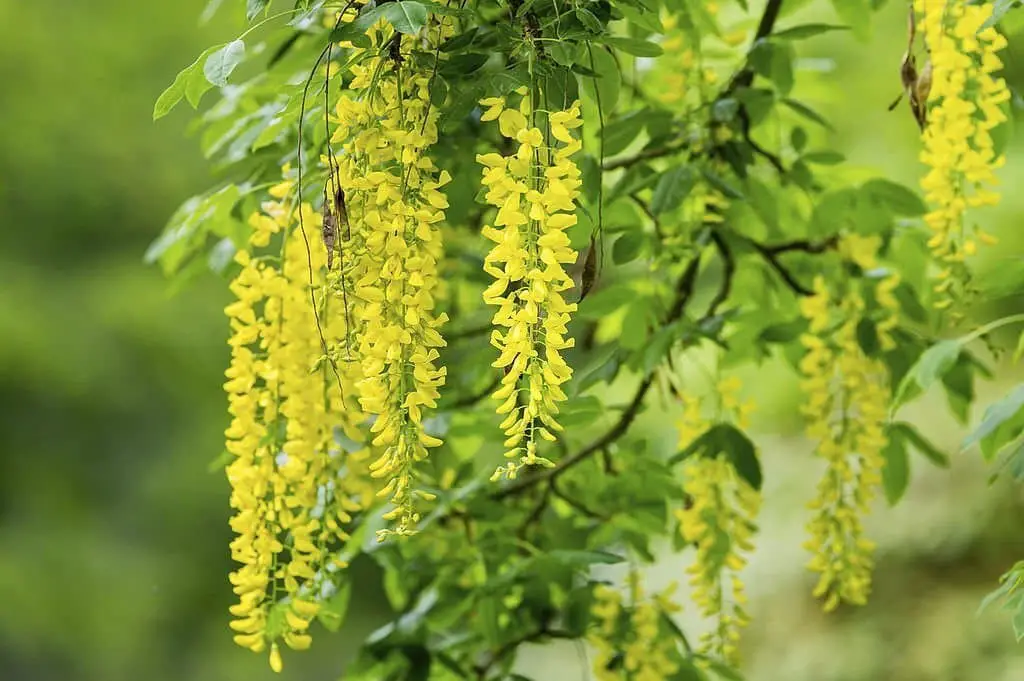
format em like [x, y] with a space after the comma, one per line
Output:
[728, 270]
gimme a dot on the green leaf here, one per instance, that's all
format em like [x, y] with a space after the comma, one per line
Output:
[896, 472]
[806, 31]
[856, 13]
[720, 184]
[601, 365]
[930, 366]
[405, 16]
[910, 436]
[824, 158]
[798, 139]
[782, 67]
[1007, 410]
[627, 247]
[657, 347]
[673, 186]
[332, 612]
[807, 112]
[645, 19]
[254, 7]
[958, 383]
[581, 410]
[564, 53]
[999, 10]
[589, 20]
[620, 132]
[605, 301]
[725, 438]
[581, 559]
[209, 11]
[219, 462]
[221, 63]
[603, 88]
[634, 46]
[899, 199]
[170, 97]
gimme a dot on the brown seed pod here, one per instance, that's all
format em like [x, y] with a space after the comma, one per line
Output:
[919, 97]
[329, 231]
[341, 210]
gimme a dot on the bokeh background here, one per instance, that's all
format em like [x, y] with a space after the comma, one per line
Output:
[113, 533]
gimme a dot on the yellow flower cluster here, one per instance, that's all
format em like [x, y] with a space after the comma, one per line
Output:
[385, 126]
[963, 108]
[846, 393]
[535, 190]
[290, 505]
[719, 520]
[683, 75]
[631, 643]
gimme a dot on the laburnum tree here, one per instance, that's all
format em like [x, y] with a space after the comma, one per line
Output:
[471, 242]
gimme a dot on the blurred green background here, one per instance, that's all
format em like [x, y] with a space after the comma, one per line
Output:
[113, 534]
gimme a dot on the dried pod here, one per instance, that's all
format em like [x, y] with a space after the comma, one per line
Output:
[919, 96]
[589, 270]
[342, 212]
[329, 231]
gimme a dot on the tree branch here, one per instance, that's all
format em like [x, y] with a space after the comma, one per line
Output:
[728, 270]
[771, 256]
[745, 76]
[802, 245]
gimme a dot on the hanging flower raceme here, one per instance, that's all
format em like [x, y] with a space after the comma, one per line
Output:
[963, 107]
[291, 506]
[630, 641]
[685, 74]
[534, 190]
[719, 521]
[385, 126]
[846, 393]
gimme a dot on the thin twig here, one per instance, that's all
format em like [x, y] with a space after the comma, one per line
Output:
[772, 259]
[802, 245]
[728, 270]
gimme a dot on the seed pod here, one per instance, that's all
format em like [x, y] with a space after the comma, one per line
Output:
[919, 96]
[342, 212]
[329, 232]
[589, 270]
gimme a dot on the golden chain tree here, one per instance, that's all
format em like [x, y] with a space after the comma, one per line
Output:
[476, 247]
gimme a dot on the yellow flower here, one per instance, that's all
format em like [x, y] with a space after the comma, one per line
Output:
[963, 107]
[290, 508]
[495, 105]
[634, 632]
[395, 205]
[535, 192]
[846, 394]
[719, 521]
